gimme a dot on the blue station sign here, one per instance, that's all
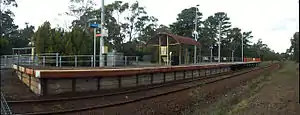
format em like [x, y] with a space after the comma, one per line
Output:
[95, 25]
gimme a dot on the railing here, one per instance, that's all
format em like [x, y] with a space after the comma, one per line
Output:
[88, 61]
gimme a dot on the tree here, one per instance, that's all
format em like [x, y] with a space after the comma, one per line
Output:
[148, 30]
[5, 47]
[78, 9]
[118, 7]
[234, 35]
[162, 28]
[208, 35]
[185, 23]
[223, 26]
[6, 22]
[137, 21]
[294, 48]
[246, 42]
[57, 39]
[42, 39]
[24, 36]
[262, 51]
[8, 29]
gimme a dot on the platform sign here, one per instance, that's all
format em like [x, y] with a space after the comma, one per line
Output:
[163, 50]
[98, 35]
[95, 25]
[104, 49]
[105, 32]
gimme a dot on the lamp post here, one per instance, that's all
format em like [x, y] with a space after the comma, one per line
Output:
[101, 59]
[195, 34]
[219, 43]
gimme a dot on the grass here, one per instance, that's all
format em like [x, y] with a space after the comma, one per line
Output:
[232, 102]
[287, 70]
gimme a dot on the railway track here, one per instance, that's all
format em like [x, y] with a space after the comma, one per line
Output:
[116, 99]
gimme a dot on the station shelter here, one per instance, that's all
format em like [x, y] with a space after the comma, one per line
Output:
[173, 49]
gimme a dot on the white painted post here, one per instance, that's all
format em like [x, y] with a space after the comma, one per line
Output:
[125, 60]
[59, 61]
[5, 61]
[75, 60]
[56, 60]
[137, 59]
[91, 61]
[44, 61]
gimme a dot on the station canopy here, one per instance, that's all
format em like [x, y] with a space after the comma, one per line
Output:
[173, 40]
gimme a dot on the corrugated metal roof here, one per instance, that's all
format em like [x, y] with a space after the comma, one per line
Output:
[178, 39]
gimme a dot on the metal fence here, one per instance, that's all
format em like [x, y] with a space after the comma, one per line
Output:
[88, 61]
[204, 59]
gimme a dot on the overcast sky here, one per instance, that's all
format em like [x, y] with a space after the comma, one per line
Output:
[274, 21]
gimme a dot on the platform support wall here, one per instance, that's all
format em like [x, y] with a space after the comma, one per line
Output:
[44, 86]
[73, 85]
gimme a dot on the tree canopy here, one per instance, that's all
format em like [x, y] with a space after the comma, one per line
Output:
[125, 35]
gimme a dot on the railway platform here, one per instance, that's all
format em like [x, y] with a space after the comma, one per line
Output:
[57, 80]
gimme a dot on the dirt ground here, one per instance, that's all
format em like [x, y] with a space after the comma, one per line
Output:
[272, 93]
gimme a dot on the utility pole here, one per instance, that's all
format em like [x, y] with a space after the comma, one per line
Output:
[196, 35]
[219, 42]
[101, 58]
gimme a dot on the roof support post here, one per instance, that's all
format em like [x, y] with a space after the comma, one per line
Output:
[179, 54]
[168, 50]
[159, 50]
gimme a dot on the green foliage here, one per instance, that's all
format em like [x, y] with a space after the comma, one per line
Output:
[294, 49]
[9, 3]
[10, 35]
[42, 38]
[4, 46]
[185, 23]
[262, 51]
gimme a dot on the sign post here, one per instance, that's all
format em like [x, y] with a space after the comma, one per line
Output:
[95, 26]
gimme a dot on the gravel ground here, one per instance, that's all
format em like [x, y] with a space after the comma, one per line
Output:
[13, 88]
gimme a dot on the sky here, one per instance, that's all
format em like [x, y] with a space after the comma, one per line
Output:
[274, 21]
